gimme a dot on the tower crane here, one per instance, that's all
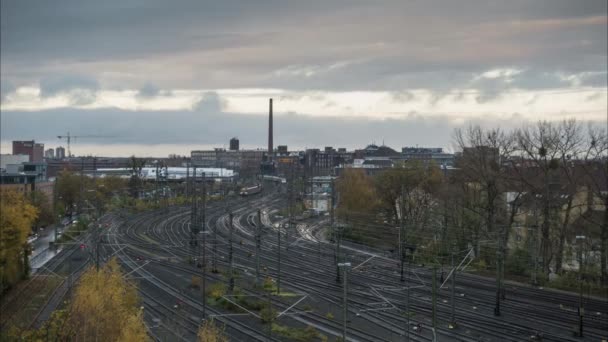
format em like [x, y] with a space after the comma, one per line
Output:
[69, 138]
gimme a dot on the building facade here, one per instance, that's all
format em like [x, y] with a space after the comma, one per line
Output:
[11, 159]
[234, 144]
[244, 161]
[60, 152]
[319, 197]
[49, 154]
[323, 163]
[31, 148]
[427, 154]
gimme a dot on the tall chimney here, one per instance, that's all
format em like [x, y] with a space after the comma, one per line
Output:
[270, 147]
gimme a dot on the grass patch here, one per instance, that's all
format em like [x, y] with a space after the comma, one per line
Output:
[298, 334]
[20, 312]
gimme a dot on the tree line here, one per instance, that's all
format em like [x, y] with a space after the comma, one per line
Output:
[529, 198]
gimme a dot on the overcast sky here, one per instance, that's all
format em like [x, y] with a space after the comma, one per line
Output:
[160, 77]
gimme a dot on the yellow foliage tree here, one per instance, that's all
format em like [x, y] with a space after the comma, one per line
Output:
[209, 332]
[106, 306]
[357, 193]
[16, 218]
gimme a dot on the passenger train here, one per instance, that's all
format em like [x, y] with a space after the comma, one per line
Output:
[252, 190]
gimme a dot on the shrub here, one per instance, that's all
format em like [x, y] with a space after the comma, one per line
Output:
[217, 290]
[195, 282]
[268, 314]
[517, 262]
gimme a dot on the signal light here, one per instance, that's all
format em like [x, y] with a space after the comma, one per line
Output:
[82, 246]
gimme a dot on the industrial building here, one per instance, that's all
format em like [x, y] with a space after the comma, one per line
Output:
[31, 148]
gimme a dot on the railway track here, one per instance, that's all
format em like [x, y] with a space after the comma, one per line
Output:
[308, 267]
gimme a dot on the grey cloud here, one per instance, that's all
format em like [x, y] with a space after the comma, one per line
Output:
[492, 88]
[242, 44]
[210, 103]
[595, 79]
[403, 96]
[148, 90]
[533, 80]
[6, 88]
[195, 127]
[57, 84]
[81, 90]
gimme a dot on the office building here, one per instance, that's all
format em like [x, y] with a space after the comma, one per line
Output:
[31, 148]
[234, 144]
[427, 154]
[49, 154]
[60, 152]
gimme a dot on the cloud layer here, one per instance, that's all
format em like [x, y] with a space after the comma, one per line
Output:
[359, 61]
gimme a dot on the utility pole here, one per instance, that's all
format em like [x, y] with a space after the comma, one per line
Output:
[279, 260]
[401, 232]
[290, 201]
[258, 247]
[270, 318]
[187, 180]
[535, 246]
[204, 229]
[156, 200]
[345, 266]
[193, 217]
[498, 282]
[81, 197]
[335, 235]
[214, 254]
[97, 226]
[581, 310]
[319, 250]
[97, 245]
[452, 294]
[214, 227]
[407, 299]
[230, 251]
[434, 318]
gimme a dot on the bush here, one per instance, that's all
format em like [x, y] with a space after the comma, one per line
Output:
[217, 290]
[269, 285]
[517, 262]
[268, 314]
[209, 332]
[297, 334]
[195, 282]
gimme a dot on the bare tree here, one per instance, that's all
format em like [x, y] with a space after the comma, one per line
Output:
[595, 168]
[569, 147]
[539, 152]
[482, 168]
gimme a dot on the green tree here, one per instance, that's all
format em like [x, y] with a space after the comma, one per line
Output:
[17, 216]
[135, 183]
[68, 190]
[45, 213]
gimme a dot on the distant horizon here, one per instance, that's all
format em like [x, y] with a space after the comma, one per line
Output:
[99, 149]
